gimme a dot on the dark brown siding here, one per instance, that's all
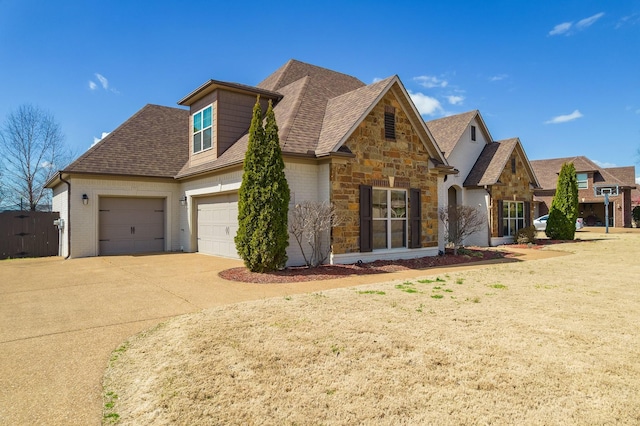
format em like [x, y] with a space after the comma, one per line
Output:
[234, 117]
[28, 234]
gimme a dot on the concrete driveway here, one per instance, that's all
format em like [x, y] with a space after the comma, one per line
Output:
[61, 319]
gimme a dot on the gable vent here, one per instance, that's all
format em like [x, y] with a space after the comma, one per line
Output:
[389, 122]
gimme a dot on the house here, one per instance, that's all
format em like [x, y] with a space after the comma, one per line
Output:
[167, 178]
[590, 176]
[494, 176]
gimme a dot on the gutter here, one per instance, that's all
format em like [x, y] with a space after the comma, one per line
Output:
[68, 214]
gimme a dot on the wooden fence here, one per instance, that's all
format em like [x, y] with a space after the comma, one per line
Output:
[28, 234]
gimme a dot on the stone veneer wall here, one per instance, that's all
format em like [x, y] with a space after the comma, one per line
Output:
[377, 158]
[511, 183]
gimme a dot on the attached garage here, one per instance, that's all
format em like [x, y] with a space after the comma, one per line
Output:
[131, 225]
[217, 225]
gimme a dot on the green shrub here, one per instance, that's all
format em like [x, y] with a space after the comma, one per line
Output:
[635, 213]
[561, 224]
[526, 235]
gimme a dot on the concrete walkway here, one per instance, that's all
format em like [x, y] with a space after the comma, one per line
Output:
[61, 319]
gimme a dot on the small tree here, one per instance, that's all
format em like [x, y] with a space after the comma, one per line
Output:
[32, 148]
[561, 224]
[459, 223]
[263, 198]
[310, 223]
[635, 213]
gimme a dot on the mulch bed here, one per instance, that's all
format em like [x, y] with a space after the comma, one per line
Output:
[327, 272]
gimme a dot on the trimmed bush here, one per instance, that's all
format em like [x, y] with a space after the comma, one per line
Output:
[561, 224]
[526, 235]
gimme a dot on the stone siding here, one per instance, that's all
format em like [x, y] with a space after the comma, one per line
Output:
[511, 184]
[376, 159]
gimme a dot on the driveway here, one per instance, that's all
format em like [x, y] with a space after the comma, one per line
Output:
[61, 319]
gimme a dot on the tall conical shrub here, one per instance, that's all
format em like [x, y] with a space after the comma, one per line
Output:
[561, 224]
[263, 199]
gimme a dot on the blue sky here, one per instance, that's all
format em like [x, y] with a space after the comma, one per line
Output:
[563, 76]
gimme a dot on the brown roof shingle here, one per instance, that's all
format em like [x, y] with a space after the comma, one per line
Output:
[449, 130]
[548, 170]
[153, 142]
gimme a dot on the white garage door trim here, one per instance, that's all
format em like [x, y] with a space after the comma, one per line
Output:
[131, 225]
[217, 225]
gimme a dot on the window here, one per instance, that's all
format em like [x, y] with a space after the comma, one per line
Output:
[202, 125]
[389, 122]
[513, 165]
[473, 133]
[512, 217]
[583, 181]
[389, 218]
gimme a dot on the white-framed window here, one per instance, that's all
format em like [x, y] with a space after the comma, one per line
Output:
[202, 129]
[512, 217]
[389, 218]
[583, 180]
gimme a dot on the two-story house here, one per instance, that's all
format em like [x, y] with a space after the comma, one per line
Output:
[167, 178]
[589, 175]
[495, 177]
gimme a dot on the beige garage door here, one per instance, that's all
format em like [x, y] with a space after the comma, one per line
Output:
[131, 225]
[217, 225]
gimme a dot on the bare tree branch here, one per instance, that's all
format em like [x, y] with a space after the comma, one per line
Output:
[310, 223]
[32, 147]
[459, 223]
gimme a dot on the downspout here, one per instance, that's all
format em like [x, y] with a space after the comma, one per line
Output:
[68, 215]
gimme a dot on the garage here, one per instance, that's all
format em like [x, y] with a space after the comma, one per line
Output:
[131, 225]
[217, 224]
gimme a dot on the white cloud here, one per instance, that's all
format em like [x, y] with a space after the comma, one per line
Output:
[561, 28]
[632, 19]
[638, 180]
[455, 100]
[564, 118]
[567, 27]
[587, 22]
[426, 104]
[103, 80]
[430, 82]
[96, 140]
[46, 165]
[604, 164]
[92, 85]
[498, 77]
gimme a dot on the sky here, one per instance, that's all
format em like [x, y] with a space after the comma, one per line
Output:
[563, 76]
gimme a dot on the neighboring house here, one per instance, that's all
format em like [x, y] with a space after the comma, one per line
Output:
[167, 178]
[495, 177]
[589, 174]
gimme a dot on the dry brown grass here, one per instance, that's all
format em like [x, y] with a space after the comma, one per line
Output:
[553, 341]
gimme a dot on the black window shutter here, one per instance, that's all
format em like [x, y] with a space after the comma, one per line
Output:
[500, 216]
[366, 218]
[527, 213]
[415, 218]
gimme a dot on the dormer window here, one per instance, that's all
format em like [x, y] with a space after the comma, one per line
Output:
[202, 129]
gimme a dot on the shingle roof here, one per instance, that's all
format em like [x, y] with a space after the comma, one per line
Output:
[548, 171]
[449, 130]
[490, 164]
[492, 161]
[343, 112]
[154, 142]
[317, 109]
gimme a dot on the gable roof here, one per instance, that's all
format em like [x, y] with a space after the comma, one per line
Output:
[318, 111]
[492, 162]
[153, 142]
[346, 112]
[548, 171]
[449, 130]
